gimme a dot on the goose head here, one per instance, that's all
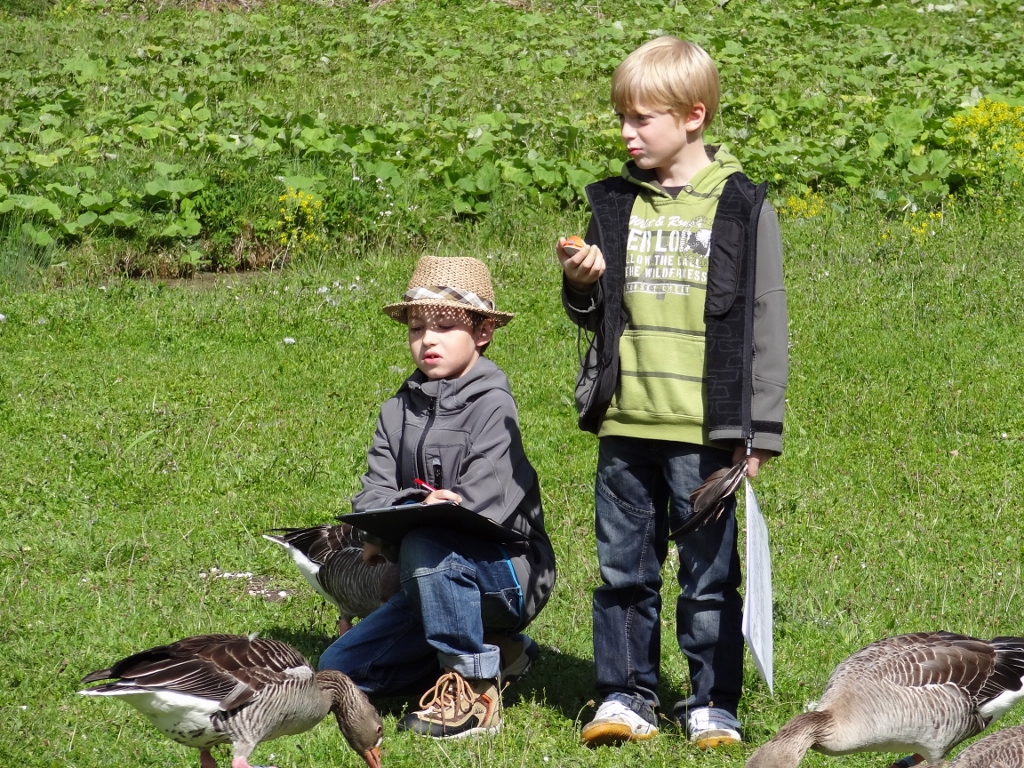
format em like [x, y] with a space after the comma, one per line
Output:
[357, 719]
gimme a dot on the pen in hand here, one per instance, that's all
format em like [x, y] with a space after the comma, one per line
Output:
[445, 495]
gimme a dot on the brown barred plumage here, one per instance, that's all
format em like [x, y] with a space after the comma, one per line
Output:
[1003, 749]
[923, 693]
[330, 557]
[219, 689]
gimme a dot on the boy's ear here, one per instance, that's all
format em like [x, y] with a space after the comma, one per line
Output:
[485, 332]
[694, 119]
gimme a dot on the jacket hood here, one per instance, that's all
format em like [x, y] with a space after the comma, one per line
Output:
[709, 180]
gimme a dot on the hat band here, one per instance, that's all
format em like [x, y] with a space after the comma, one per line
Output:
[445, 293]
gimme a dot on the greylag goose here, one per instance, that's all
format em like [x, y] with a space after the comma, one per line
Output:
[330, 558]
[1003, 749]
[218, 689]
[921, 693]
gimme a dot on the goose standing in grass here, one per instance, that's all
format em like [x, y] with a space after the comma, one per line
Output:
[921, 693]
[1004, 749]
[219, 689]
[330, 558]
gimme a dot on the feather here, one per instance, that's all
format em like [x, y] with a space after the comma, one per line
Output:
[708, 500]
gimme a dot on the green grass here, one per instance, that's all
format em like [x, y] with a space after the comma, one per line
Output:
[152, 431]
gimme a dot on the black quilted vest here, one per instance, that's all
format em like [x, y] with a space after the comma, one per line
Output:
[728, 308]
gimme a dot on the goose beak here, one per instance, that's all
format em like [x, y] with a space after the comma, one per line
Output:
[372, 757]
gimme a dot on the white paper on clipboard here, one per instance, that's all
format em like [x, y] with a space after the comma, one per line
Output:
[757, 605]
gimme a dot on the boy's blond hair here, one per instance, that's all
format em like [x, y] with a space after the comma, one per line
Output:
[667, 74]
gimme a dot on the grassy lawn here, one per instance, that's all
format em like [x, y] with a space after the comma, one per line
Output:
[151, 430]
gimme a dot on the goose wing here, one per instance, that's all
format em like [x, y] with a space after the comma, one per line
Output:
[320, 542]
[359, 588]
[229, 669]
[924, 659]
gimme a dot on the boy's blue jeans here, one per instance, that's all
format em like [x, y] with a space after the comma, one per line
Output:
[642, 491]
[454, 587]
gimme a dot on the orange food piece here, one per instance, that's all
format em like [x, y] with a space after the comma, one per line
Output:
[573, 243]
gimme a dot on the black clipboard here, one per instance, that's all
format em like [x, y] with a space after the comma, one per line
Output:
[392, 523]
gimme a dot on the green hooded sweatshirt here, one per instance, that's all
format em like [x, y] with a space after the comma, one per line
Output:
[661, 393]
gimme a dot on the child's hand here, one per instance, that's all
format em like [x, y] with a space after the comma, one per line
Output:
[442, 494]
[757, 457]
[584, 267]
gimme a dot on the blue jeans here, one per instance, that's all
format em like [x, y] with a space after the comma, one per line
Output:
[454, 587]
[642, 492]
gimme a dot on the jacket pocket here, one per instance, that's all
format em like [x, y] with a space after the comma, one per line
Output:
[723, 267]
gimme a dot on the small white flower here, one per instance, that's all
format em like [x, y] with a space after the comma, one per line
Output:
[323, 289]
[289, 340]
[3, 318]
[356, 178]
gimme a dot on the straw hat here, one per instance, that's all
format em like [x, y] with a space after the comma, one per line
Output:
[459, 282]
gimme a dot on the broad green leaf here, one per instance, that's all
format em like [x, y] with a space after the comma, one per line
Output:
[121, 219]
[145, 132]
[31, 204]
[905, 124]
[38, 237]
[46, 161]
[167, 169]
[84, 220]
[64, 189]
[555, 65]
[100, 203]
[877, 144]
[302, 182]
[50, 136]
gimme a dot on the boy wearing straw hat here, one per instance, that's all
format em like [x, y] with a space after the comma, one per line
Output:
[451, 433]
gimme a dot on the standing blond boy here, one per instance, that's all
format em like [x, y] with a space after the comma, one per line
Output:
[681, 284]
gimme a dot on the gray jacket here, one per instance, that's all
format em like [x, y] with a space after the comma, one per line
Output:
[463, 434]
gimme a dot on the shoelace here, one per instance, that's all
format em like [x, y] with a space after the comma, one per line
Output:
[449, 691]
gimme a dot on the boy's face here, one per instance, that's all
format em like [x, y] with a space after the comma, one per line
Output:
[443, 342]
[654, 138]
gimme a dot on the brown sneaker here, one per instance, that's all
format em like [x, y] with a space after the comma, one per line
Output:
[456, 707]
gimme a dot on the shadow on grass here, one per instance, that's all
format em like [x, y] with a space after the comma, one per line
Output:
[562, 682]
